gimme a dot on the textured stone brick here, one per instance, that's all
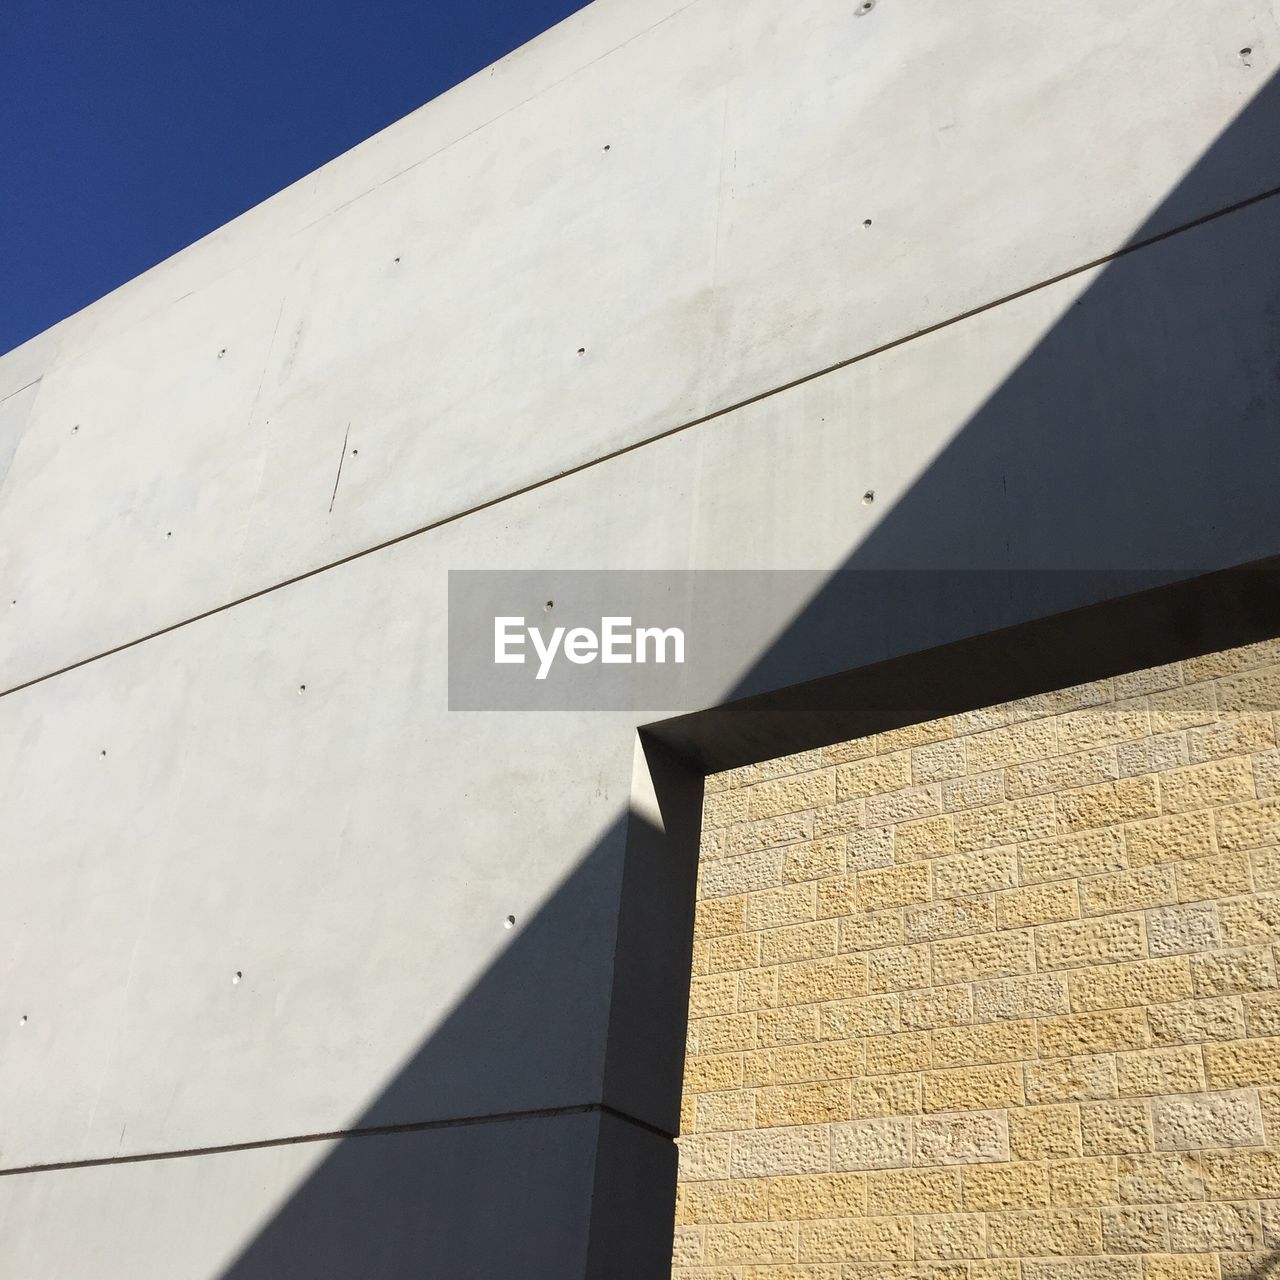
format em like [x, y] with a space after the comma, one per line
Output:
[1223, 973]
[1082, 1269]
[898, 968]
[1160, 1178]
[873, 775]
[865, 933]
[1044, 1233]
[1202, 1227]
[797, 1063]
[1265, 864]
[975, 791]
[995, 955]
[1258, 691]
[1242, 1062]
[902, 806]
[1082, 1184]
[1205, 786]
[937, 1007]
[857, 1239]
[838, 819]
[1197, 1120]
[1169, 839]
[688, 1245]
[784, 1026]
[973, 1046]
[855, 749]
[1250, 920]
[1178, 930]
[1038, 904]
[771, 833]
[750, 1242]
[815, 859]
[1011, 744]
[757, 990]
[970, 1137]
[815, 1103]
[704, 1073]
[727, 876]
[817, 981]
[971, 874]
[703, 1202]
[1182, 708]
[713, 994]
[974, 1088]
[836, 896]
[1014, 822]
[774, 908]
[1103, 726]
[1128, 890]
[799, 942]
[1071, 1079]
[1140, 1230]
[914, 735]
[716, 916]
[731, 1033]
[1151, 755]
[1086, 853]
[724, 808]
[1236, 1174]
[953, 1235]
[1186, 1266]
[1195, 1021]
[1175, 1070]
[1115, 1127]
[732, 1110]
[908, 1051]
[894, 886]
[923, 838]
[950, 919]
[1087, 768]
[1091, 1033]
[704, 1156]
[875, 1016]
[1037, 996]
[882, 1143]
[763, 1153]
[911, 1191]
[817, 1195]
[1266, 773]
[1102, 940]
[732, 952]
[1005, 1187]
[1235, 735]
[938, 760]
[1045, 1133]
[1248, 826]
[1141, 982]
[1214, 876]
[867, 848]
[788, 795]
[886, 1096]
[1108, 804]
[1260, 1012]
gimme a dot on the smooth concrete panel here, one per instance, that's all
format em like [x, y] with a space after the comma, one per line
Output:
[716, 251]
[352, 848]
[484, 1202]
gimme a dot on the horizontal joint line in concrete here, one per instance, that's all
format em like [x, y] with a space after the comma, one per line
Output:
[371, 1131]
[661, 435]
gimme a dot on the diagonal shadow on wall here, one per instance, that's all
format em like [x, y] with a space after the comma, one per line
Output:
[1138, 443]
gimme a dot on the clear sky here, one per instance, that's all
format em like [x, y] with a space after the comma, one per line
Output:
[130, 128]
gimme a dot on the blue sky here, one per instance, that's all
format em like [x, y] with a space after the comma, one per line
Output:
[130, 128]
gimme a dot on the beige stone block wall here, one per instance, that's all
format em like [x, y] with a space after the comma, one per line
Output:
[995, 997]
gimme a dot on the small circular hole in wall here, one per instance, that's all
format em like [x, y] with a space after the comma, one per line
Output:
[1246, 51]
[869, 497]
[102, 755]
[582, 351]
[169, 534]
[546, 608]
[397, 259]
[606, 146]
[866, 222]
[75, 429]
[22, 1021]
[865, 7]
[509, 922]
[222, 353]
[355, 453]
[235, 978]
[302, 688]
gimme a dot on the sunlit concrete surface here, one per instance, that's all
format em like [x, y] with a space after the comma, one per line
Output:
[1018, 262]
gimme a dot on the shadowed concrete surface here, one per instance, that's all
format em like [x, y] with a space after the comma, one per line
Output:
[278, 790]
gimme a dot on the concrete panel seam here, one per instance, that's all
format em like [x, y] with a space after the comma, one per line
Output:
[656, 438]
[370, 1131]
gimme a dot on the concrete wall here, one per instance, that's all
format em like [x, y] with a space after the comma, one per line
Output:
[995, 994]
[225, 746]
